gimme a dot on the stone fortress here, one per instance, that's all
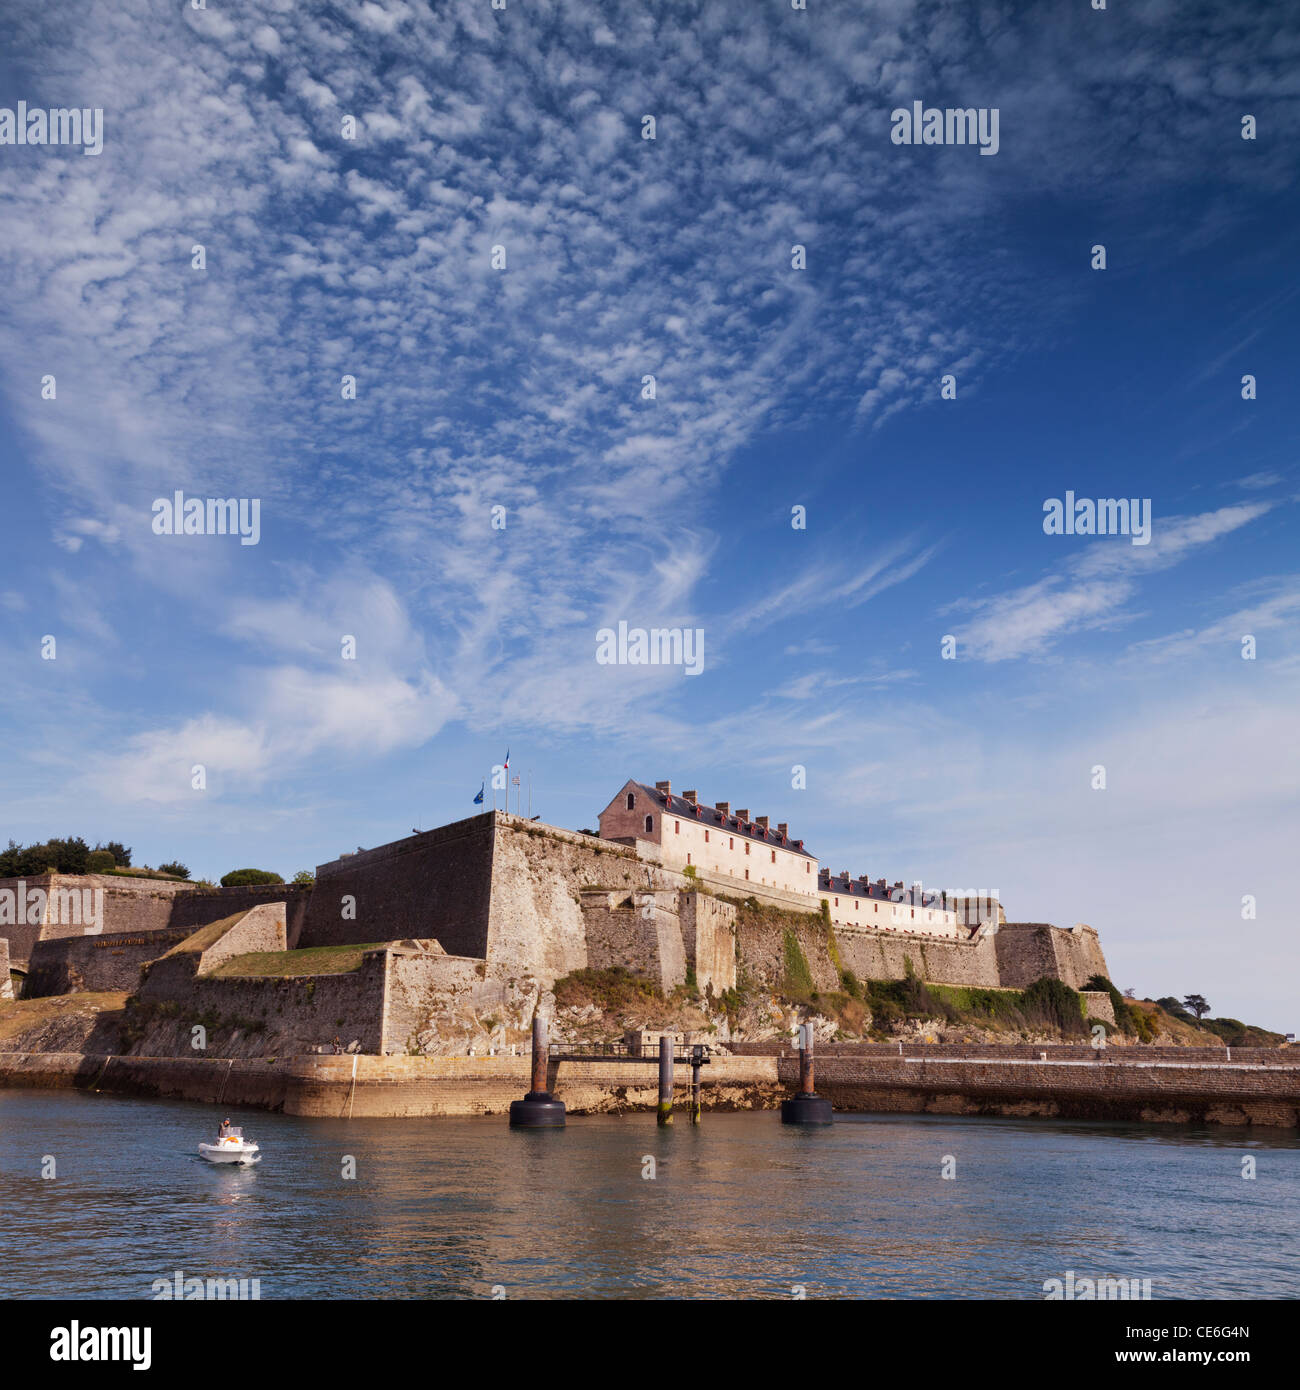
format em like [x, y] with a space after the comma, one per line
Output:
[451, 935]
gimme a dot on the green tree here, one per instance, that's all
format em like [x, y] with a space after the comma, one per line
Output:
[1198, 1004]
[303, 876]
[238, 878]
[176, 868]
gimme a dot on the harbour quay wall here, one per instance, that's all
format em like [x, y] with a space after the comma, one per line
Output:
[1226, 1093]
[1101, 1088]
[260, 1083]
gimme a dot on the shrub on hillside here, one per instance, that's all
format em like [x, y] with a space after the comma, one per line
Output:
[1174, 1008]
[239, 878]
[175, 868]
[100, 861]
[1052, 1003]
[1124, 1019]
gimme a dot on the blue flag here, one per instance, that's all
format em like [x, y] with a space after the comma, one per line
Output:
[478, 800]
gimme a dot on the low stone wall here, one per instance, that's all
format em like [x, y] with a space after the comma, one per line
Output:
[260, 1016]
[884, 956]
[1105, 1087]
[70, 964]
[1285, 1057]
[1170, 1092]
[257, 1015]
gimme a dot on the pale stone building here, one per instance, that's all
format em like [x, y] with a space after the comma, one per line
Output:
[857, 902]
[714, 840]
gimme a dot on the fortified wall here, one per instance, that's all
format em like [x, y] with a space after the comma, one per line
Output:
[466, 926]
[530, 900]
[1027, 951]
[56, 907]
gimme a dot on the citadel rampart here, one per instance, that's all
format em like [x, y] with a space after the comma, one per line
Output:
[1026, 951]
[61, 906]
[452, 936]
[436, 884]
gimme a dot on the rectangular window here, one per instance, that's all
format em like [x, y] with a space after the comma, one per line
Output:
[677, 827]
[746, 846]
[688, 858]
[731, 842]
[706, 837]
[746, 873]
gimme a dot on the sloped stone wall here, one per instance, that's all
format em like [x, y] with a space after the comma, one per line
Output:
[432, 885]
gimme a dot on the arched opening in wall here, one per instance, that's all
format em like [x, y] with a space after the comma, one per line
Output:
[649, 823]
[631, 800]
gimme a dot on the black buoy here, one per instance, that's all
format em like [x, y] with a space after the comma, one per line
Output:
[539, 1109]
[807, 1107]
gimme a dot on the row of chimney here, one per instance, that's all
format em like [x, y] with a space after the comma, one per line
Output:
[724, 809]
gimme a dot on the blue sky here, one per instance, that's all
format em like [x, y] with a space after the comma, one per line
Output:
[521, 388]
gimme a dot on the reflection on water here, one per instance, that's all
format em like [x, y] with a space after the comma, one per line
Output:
[741, 1207]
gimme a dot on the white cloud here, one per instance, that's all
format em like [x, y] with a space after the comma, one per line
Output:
[1091, 589]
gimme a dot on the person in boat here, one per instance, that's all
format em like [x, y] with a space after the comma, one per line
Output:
[225, 1129]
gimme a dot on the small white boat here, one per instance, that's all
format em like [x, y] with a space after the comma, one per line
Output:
[231, 1147]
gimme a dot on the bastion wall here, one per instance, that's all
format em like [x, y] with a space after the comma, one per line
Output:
[436, 884]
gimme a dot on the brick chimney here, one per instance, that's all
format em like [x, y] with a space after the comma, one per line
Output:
[783, 830]
[665, 787]
[724, 807]
[689, 796]
[742, 815]
[761, 820]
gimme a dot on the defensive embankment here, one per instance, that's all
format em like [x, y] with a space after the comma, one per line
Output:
[937, 1081]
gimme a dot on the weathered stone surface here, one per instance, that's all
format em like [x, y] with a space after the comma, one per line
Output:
[1233, 1094]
